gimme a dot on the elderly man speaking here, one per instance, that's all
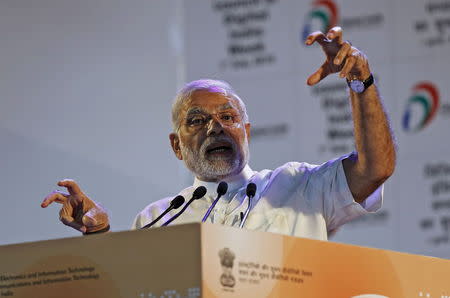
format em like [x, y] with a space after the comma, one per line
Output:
[211, 133]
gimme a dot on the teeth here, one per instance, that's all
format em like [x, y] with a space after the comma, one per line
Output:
[219, 150]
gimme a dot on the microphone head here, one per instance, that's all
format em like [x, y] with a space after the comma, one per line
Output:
[199, 192]
[177, 202]
[251, 190]
[222, 188]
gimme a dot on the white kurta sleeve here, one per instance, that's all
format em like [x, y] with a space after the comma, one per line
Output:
[339, 205]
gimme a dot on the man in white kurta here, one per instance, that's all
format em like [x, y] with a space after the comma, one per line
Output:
[295, 199]
[211, 134]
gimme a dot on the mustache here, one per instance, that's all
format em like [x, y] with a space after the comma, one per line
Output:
[216, 139]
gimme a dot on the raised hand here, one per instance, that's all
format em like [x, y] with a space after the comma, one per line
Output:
[78, 211]
[341, 57]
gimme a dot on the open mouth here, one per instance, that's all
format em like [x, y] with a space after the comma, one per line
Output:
[222, 148]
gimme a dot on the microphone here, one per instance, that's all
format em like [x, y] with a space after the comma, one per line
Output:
[221, 190]
[251, 191]
[174, 204]
[198, 193]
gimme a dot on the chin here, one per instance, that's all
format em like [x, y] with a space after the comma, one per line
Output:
[219, 169]
[214, 167]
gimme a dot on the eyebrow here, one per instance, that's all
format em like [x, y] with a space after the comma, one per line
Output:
[226, 106]
[194, 111]
[199, 110]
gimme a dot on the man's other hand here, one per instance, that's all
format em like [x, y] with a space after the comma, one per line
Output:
[78, 211]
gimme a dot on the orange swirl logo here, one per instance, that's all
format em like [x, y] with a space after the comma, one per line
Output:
[323, 11]
[421, 108]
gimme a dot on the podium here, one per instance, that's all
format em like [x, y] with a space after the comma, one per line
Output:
[206, 260]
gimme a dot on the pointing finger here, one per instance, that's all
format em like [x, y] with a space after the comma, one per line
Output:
[316, 36]
[71, 186]
[321, 73]
[54, 197]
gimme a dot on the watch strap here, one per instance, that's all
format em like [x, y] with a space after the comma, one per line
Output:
[368, 82]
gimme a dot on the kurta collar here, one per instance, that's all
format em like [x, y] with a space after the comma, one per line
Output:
[234, 183]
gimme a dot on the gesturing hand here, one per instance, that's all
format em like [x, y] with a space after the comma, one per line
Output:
[341, 57]
[78, 211]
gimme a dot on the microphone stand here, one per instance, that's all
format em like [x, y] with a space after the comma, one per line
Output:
[244, 217]
[198, 193]
[174, 204]
[251, 191]
[221, 190]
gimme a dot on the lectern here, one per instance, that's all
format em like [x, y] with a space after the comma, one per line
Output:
[206, 260]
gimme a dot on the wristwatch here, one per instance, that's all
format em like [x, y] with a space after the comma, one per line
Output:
[360, 86]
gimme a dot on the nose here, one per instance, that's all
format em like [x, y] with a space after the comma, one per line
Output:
[214, 127]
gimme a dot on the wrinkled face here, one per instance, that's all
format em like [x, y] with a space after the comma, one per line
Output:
[212, 138]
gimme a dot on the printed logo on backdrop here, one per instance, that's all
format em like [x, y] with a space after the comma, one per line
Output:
[424, 106]
[324, 15]
[437, 225]
[245, 22]
[227, 257]
[433, 29]
[421, 108]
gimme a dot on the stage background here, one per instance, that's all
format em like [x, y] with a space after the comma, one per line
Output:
[86, 91]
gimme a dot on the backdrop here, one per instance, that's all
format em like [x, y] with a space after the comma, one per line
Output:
[86, 91]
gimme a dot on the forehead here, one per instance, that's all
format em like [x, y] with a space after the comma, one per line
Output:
[210, 101]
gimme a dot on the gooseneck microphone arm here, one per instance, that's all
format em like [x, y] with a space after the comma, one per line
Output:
[198, 193]
[221, 190]
[251, 190]
[174, 204]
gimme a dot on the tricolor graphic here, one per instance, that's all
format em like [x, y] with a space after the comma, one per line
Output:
[323, 17]
[422, 107]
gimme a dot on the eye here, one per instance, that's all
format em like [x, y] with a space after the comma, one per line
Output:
[227, 117]
[196, 120]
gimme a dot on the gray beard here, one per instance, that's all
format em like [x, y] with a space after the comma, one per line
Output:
[217, 168]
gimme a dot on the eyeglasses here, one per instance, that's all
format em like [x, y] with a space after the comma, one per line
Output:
[199, 120]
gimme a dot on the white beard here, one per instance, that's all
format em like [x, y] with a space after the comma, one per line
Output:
[217, 168]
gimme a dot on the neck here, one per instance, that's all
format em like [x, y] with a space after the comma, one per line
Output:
[217, 178]
[234, 181]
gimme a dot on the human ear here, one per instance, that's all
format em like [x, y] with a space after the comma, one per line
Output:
[247, 130]
[175, 143]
